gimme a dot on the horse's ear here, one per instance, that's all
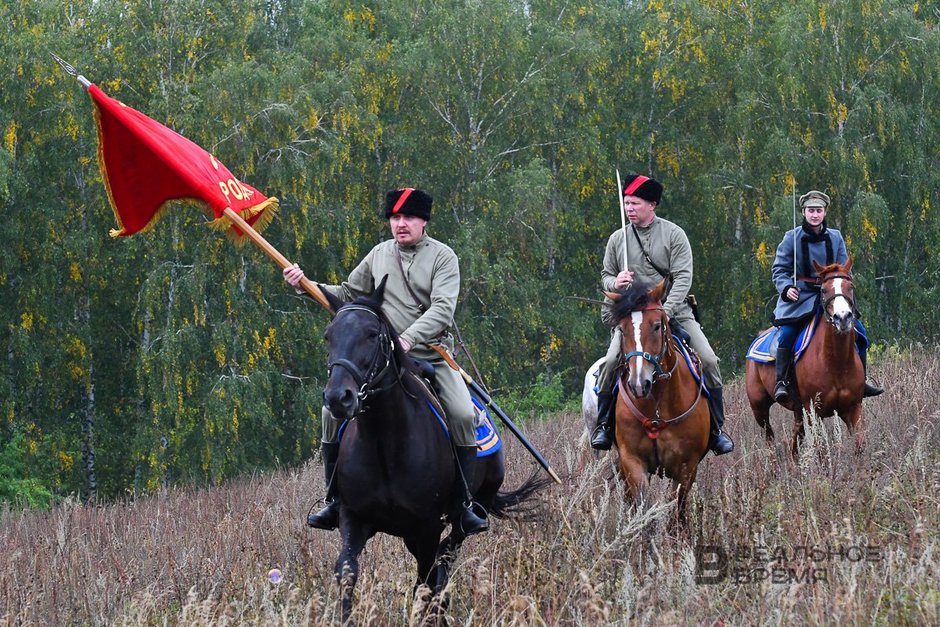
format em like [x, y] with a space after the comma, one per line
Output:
[818, 267]
[614, 296]
[334, 302]
[378, 295]
[848, 265]
[656, 294]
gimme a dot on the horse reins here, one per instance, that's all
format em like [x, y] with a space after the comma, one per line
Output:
[377, 370]
[658, 372]
[654, 425]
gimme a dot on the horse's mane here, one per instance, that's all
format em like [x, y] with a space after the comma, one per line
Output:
[834, 268]
[633, 297]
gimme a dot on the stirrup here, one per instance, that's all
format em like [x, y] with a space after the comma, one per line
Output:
[872, 390]
[326, 519]
[473, 518]
[720, 443]
[781, 392]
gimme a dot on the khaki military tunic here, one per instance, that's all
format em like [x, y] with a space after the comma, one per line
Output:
[669, 248]
[433, 272]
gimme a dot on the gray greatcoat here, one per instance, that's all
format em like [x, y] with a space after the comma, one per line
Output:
[824, 248]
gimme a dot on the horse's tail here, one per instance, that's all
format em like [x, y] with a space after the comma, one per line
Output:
[519, 503]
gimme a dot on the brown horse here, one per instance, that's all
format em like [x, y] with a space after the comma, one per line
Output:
[829, 376]
[662, 417]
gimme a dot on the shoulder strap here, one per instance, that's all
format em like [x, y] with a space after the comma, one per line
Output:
[404, 278]
[649, 260]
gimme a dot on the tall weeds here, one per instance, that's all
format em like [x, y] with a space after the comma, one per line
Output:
[829, 537]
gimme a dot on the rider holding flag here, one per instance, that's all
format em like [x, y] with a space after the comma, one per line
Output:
[420, 299]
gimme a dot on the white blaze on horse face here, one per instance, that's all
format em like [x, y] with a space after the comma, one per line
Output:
[637, 319]
[840, 304]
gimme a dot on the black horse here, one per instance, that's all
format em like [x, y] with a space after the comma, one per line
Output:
[395, 469]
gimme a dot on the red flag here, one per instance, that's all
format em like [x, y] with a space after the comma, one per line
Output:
[146, 166]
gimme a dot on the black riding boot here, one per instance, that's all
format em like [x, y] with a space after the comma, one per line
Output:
[718, 442]
[871, 389]
[603, 436]
[328, 517]
[782, 365]
[472, 515]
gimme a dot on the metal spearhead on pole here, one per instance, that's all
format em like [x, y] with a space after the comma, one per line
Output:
[313, 290]
[623, 220]
[70, 69]
[308, 286]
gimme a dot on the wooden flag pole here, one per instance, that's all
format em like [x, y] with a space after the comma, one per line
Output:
[306, 284]
[311, 288]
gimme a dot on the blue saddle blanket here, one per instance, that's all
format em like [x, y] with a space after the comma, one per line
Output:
[764, 347]
[683, 349]
[488, 441]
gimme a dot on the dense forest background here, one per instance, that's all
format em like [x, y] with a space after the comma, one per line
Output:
[173, 356]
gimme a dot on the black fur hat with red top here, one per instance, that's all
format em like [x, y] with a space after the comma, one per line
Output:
[644, 187]
[408, 201]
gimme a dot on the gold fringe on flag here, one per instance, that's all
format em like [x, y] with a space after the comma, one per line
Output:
[267, 209]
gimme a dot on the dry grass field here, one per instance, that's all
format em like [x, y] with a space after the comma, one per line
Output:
[829, 538]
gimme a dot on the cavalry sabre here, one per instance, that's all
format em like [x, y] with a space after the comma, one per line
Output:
[793, 194]
[317, 294]
[313, 290]
[623, 220]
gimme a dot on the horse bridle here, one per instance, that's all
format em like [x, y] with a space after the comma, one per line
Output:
[654, 425]
[828, 301]
[383, 360]
[658, 372]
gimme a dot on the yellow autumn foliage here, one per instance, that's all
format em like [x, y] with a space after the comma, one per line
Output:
[9, 137]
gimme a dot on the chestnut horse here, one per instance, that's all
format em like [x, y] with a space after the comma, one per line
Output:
[829, 375]
[662, 418]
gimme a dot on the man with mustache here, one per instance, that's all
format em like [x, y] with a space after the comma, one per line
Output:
[420, 299]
